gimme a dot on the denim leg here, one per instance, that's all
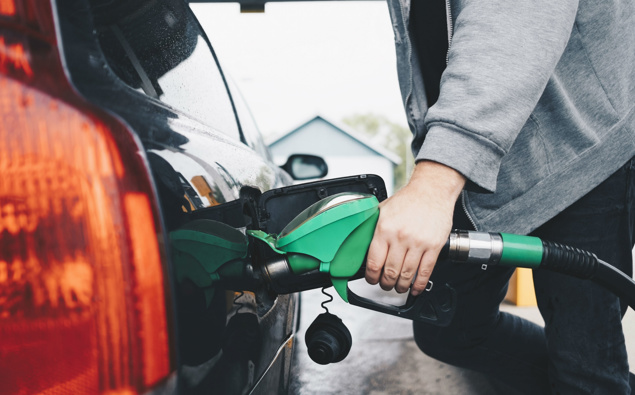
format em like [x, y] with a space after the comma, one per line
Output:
[480, 337]
[585, 341]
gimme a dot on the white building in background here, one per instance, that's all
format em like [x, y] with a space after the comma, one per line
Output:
[346, 152]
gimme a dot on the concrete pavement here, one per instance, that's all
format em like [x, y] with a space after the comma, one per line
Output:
[384, 359]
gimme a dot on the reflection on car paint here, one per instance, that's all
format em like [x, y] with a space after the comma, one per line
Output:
[206, 191]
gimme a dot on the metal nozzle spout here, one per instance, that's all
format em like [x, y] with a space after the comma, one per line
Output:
[282, 280]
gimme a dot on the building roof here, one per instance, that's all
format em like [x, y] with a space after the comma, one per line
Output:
[363, 140]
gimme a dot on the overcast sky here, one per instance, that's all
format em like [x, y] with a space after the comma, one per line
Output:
[298, 60]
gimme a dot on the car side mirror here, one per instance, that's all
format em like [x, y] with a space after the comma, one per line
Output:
[305, 167]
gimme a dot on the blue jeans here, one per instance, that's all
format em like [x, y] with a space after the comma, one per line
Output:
[581, 349]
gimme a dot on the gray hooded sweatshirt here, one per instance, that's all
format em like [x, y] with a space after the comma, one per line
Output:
[536, 106]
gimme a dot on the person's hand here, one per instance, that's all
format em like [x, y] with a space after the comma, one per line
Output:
[412, 228]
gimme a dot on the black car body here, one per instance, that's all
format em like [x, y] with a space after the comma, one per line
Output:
[118, 127]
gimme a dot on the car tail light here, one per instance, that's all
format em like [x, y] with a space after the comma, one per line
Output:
[83, 303]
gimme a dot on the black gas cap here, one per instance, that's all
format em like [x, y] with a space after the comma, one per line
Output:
[328, 340]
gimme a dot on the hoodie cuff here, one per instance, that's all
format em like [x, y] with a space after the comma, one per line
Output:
[477, 158]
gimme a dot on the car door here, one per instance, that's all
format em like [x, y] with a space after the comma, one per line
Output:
[150, 64]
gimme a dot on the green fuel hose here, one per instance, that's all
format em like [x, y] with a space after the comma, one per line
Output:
[526, 251]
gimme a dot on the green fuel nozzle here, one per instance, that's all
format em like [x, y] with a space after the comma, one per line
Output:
[331, 236]
[324, 245]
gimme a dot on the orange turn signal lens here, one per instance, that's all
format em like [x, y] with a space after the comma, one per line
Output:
[82, 301]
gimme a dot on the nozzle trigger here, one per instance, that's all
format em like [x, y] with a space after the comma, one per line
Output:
[436, 306]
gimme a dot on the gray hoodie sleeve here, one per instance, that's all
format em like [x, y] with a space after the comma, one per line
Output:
[501, 57]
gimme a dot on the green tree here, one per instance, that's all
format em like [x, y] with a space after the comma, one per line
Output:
[392, 136]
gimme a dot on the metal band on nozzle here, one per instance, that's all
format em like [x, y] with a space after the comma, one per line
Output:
[475, 247]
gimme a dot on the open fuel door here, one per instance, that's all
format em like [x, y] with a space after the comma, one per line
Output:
[278, 207]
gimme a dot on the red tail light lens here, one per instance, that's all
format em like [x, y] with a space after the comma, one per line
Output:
[82, 287]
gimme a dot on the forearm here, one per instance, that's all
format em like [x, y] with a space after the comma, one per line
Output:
[439, 180]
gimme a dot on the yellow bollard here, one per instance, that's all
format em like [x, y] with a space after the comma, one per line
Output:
[521, 288]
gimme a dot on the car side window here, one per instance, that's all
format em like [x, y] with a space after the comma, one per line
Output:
[250, 130]
[159, 49]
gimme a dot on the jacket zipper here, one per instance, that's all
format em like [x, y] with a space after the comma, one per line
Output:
[448, 15]
[467, 214]
[409, 52]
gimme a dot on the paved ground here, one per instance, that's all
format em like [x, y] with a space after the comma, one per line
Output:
[384, 359]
